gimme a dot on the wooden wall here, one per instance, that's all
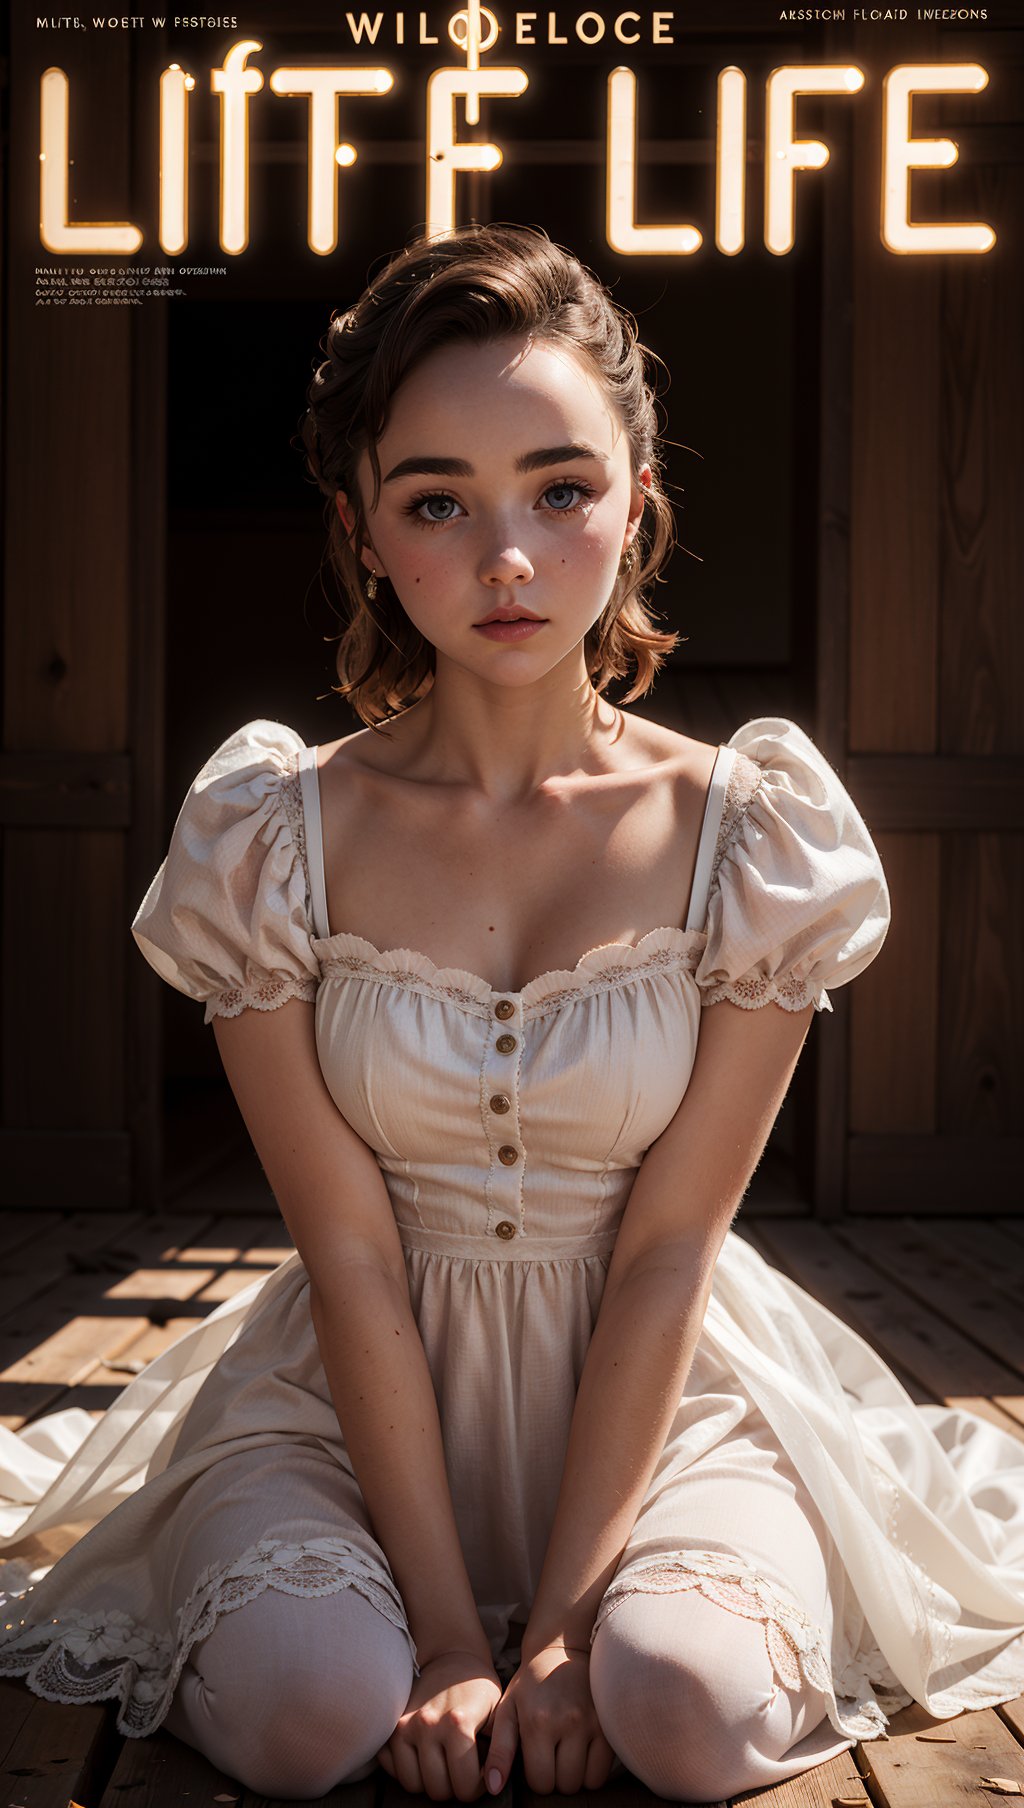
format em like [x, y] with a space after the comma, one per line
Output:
[935, 727]
[83, 613]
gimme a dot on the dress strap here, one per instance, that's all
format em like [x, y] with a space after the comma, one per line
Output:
[310, 780]
[714, 805]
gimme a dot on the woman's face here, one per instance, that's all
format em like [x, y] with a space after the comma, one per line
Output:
[506, 485]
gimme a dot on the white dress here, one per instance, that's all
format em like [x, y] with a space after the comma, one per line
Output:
[508, 1219]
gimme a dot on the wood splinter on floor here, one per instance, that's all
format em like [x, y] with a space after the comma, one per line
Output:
[1001, 1785]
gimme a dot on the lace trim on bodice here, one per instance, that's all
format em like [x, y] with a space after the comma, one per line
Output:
[796, 1646]
[600, 969]
[81, 1657]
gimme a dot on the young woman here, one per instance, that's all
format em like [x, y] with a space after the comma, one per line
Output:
[524, 1449]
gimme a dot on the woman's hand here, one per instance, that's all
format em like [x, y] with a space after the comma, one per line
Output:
[433, 1748]
[548, 1709]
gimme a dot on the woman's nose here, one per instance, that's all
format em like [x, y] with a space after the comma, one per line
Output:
[505, 565]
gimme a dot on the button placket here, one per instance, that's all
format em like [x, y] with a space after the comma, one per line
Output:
[499, 1103]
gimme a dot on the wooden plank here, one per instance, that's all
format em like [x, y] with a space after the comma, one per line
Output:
[65, 790]
[161, 1771]
[56, 1340]
[894, 543]
[830, 1297]
[52, 1753]
[87, 1243]
[29, 1269]
[894, 1008]
[981, 433]
[89, 1358]
[837, 1780]
[981, 1024]
[902, 1330]
[832, 602]
[986, 1247]
[932, 1174]
[19, 1229]
[622, 1791]
[911, 1772]
[928, 1271]
[46, 1168]
[941, 791]
[147, 726]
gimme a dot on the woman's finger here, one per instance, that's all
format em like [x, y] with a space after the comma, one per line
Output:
[600, 1761]
[434, 1765]
[502, 1749]
[570, 1762]
[385, 1760]
[407, 1766]
[539, 1759]
[463, 1763]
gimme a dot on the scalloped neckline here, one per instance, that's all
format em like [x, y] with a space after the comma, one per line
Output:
[388, 959]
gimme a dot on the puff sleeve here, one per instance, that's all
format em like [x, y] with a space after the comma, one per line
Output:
[226, 917]
[797, 899]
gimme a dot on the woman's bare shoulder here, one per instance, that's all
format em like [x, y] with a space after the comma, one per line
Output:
[653, 745]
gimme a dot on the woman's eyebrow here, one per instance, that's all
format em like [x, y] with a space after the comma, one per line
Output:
[528, 461]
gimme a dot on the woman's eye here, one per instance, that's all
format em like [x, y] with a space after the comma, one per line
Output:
[561, 496]
[439, 507]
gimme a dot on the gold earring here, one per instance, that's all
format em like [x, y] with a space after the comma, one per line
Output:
[371, 586]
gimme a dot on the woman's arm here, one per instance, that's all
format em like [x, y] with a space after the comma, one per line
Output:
[683, 1199]
[334, 1202]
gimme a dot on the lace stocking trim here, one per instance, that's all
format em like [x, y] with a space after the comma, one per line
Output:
[90, 1657]
[795, 1645]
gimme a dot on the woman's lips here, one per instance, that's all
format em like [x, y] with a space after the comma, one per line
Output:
[508, 630]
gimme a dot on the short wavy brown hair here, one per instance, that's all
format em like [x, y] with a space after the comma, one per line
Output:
[477, 283]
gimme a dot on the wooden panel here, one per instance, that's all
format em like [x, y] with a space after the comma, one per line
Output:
[58, 1168]
[145, 844]
[894, 1004]
[831, 1051]
[982, 441]
[981, 1024]
[895, 490]
[936, 1173]
[65, 667]
[941, 791]
[65, 790]
[65, 937]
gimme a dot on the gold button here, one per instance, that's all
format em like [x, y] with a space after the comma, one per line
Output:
[505, 1044]
[504, 1008]
[507, 1154]
[500, 1103]
[504, 1230]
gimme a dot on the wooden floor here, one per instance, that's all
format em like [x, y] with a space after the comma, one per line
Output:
[87, 1299]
